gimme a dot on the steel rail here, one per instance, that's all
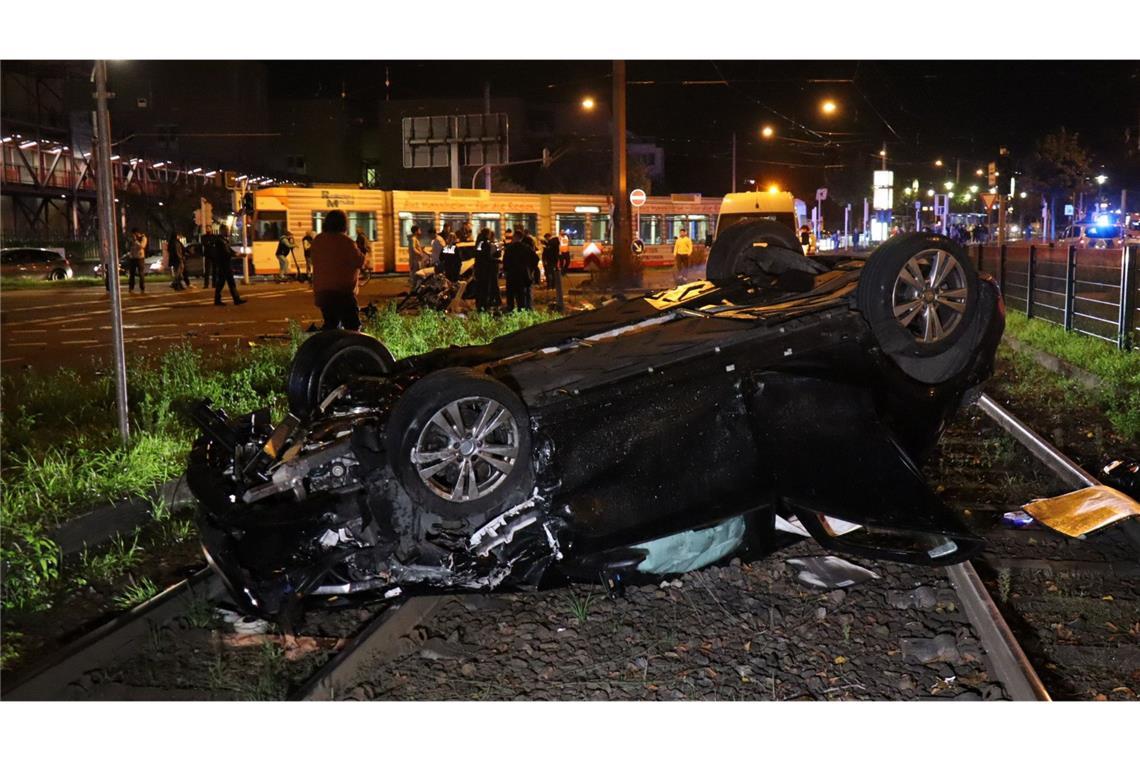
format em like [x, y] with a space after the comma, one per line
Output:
[378, 641]
[53, 677]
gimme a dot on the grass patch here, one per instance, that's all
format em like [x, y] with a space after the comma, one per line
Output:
[24, 283]
[1120, 370]
[135, 593]
[60, 454]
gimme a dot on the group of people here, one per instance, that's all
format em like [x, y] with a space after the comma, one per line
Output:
[516, 257]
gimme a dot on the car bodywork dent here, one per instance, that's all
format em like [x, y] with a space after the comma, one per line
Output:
[652, 435]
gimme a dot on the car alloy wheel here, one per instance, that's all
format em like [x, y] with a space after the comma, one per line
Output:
[929, 295]
[467, 449]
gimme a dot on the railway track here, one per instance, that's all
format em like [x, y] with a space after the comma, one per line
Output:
[365, 638]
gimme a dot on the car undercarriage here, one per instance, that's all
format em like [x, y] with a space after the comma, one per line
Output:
[649, 436]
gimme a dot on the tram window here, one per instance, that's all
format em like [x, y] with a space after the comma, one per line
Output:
[487, 219]
[455, 220]
[270, 225]
[600, 227]
[573, 225]
[649, 228]
[407, 220]
[530, 221]
[362, 221]
[696, 224]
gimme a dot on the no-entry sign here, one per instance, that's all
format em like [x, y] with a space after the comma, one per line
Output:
[637, 198]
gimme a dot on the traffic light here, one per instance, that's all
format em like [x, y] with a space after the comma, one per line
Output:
[247, 204]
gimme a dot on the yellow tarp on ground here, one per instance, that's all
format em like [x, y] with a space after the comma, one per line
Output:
[1081, 512]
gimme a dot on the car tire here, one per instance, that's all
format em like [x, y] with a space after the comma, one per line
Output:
[919, 294]
[57, 274]
[448, 466]
[327, 360]
[735, 248]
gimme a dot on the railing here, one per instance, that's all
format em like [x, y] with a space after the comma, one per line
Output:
[1092, 291]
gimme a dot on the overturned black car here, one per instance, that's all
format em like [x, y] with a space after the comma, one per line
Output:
[649, 436]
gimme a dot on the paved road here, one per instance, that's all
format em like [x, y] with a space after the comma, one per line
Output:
[53, 327]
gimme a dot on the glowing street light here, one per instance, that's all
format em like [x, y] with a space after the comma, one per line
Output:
[980, 172]
[973, 188]
[588, 103]
[767, 132]
[938, 162]
[930, 193]
[1024, 194]
[773, 188]
[948, 185]
[828, 107]
[1101, 179]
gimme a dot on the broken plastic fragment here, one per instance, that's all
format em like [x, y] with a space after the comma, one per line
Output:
[692, 549]
[830, 572]
[1079, 513]
[1017, 519]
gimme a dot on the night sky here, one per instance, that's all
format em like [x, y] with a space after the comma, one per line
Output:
[923, 109]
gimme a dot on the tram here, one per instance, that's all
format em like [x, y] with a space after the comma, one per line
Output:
[386, 218]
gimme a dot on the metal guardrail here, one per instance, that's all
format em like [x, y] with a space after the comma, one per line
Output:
[1092, 291]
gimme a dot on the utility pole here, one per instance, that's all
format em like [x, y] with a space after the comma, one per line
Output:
[487, 110]
[109, 240]
[623, 234]
[733, 188]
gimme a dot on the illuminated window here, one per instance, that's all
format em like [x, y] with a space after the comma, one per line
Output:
[600, 227]
[490, 220]
[696, 224]
[649, 229]
[408, 220]
[514, 221]
[573, 226]
[270, 225]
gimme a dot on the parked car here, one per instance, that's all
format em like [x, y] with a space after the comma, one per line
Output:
[152, 264]
[38, 263]
[780, 389]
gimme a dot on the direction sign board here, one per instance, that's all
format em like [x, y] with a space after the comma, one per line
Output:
[988, 199]
[637, 198]
[821, 194]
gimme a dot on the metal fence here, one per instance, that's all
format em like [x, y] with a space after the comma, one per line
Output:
[1093, 291]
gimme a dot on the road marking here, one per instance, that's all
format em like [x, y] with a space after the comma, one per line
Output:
[76, 342]
[27, 344]
[151, 308]
[29, 331]
[76, 329]
[12, 359]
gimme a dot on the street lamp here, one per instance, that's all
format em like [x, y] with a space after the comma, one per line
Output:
[588, 103]
[1101, 179]
[938, 162]
[930, 193]
[980, 172]
[973, 188]
[949, 185]
[767, 132]
[828, 107]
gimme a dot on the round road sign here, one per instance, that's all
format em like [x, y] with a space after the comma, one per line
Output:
[637, 198]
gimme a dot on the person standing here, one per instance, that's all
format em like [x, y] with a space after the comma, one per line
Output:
[551, 264]
[449, 258]
[520, 264]
[307, 251]
[336, 274]
[682, 253]
[136, 260]
[564, 250]
[176, 254]
[416, 254]
[486, 280]
[285, 247]
[216, 249]
[438, 241]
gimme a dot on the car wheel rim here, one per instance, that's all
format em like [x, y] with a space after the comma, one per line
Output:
[467, 449]
[929, 296]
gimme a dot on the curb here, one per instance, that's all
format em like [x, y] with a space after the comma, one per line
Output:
[1057, 365]
[120, 518]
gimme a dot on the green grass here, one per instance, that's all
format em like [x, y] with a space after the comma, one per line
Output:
[21, 283]
[60, 453]
[1119, 370]
[135, 593]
